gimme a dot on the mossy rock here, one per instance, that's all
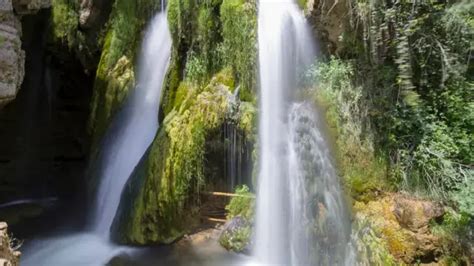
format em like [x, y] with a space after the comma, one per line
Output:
[406, 243]
[110, 89]
[237, 232]
[236, 235]
[158, 203]
[116, 69]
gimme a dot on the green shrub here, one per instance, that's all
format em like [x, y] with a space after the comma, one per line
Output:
[243, 206]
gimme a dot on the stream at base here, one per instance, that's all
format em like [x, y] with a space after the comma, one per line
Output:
[91, 250]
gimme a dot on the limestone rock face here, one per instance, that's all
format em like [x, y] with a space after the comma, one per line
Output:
[8, 256]
[12, 57]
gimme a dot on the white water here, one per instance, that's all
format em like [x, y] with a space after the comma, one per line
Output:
[125, 142]
[135, 127]
[297, 182]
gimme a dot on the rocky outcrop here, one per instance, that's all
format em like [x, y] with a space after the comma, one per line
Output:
[403, 225]
[12, 57]
[8, 256]
[330, 19]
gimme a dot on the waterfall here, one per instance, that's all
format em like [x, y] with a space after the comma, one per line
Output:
[126, 140]
[135, 126]
[298, 188]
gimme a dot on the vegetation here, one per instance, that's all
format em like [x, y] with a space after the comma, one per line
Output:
[398, 100]
[243, 206]
[237, 235]
[456, 233]
[221, 35]
[165, 188]
[65, 22]
[406, 96]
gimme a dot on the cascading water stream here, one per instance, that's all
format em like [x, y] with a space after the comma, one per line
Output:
[125, 142]
[298, 188]
[135, 127]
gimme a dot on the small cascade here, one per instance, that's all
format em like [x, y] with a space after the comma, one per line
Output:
[124, 143]
[235, 147]
[301, 216]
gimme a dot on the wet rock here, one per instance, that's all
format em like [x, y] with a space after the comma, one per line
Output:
[236, 235]
[8, 255]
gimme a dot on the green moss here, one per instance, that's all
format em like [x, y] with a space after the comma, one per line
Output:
[242, 208]
[248, 119]
[225, 77]
[302, 4]
[65, 22]
[395, 241]
[372, 249]
[115, 72]
[110, 89]
[212, 38]
[239, 31]
[173, 171]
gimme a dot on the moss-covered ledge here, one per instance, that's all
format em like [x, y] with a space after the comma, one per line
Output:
[160, 202]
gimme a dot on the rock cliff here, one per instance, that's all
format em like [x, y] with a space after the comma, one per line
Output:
[12, 57]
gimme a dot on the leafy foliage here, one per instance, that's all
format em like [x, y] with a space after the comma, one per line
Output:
[416, 78]
[239, 20]
[243, 206]
[209, 36]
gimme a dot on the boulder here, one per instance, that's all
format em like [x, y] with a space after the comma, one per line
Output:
[236, 235]
[402, 223]
[415, 215]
